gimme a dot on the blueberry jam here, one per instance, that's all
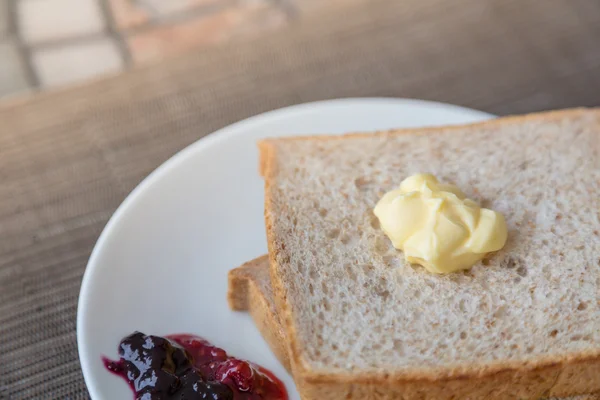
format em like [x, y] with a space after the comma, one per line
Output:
[186, 367]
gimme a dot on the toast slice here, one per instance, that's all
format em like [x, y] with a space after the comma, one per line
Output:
[361, 323]
[249, 289]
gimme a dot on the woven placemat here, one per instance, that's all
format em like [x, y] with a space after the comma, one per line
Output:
[68, 159]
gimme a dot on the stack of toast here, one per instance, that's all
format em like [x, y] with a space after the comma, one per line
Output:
[351, 319]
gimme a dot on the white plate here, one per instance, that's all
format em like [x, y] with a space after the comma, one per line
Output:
[160, 265]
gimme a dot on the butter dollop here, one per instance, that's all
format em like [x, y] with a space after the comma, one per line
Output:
[436, 226]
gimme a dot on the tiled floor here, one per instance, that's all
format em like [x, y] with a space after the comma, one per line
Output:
[53, 43]
[40, 23]
[4, 20]
[13, 76]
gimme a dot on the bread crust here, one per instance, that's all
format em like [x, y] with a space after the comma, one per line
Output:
[266, 148]
[245, 294]
[535, 378]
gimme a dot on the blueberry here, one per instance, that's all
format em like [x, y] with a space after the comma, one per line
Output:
[216, 391]
[184, 367]
[195, 387]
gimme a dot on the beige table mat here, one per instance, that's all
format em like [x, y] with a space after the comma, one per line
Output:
[68, 159]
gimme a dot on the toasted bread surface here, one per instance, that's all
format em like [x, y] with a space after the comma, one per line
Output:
[250, 290]
[359, 320]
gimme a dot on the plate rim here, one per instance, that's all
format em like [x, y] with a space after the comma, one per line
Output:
[202, 144]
